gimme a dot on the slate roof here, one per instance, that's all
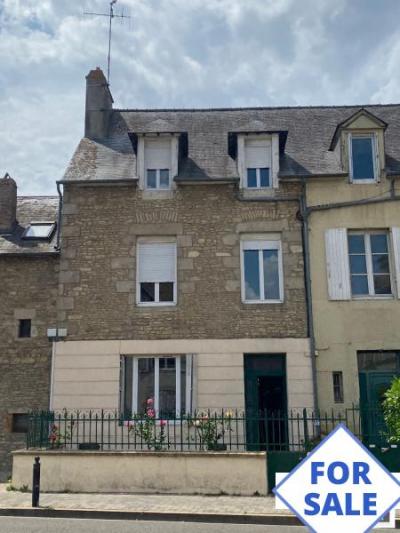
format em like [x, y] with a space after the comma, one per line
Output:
[309, 134]
[31, 209]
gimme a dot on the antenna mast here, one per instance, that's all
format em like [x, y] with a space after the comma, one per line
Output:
[110, 16]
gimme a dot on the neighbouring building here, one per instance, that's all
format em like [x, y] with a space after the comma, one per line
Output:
[354, 223]
[29, 264]
[197, 263]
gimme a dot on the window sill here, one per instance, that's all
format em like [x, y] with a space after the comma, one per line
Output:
[157, 194]
[262, 302]
[156, 304]
[373, 297]
[364, 182]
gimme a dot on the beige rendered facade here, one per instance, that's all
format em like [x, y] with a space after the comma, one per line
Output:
[86, 374]
[357, 335]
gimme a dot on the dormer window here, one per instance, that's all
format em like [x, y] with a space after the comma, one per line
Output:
[363, 156]
[258, 163]
[157, 160]
[39, 231]
[257, 157]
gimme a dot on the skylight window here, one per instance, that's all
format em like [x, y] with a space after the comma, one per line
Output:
[39, 230]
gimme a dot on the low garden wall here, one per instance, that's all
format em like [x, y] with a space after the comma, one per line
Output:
[144, 472]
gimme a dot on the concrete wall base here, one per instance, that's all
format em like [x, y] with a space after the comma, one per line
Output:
[144, 472]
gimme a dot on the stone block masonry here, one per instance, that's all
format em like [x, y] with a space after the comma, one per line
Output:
[97, 291]
[29, 290]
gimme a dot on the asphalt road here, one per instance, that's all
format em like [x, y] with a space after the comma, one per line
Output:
[56, 525]
[60, 525]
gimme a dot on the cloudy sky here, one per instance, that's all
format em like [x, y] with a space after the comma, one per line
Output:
[181, 53]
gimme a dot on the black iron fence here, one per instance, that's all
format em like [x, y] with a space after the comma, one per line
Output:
[230, 430]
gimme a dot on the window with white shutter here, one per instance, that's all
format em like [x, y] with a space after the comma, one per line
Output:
[157, 163]
[258, 161]
[337, 264]
[396, 256]
[258, 156]
[156, 273]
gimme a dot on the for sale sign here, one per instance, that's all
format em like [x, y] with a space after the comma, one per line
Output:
[340, 486]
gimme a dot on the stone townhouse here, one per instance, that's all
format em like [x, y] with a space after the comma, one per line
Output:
[181, 270]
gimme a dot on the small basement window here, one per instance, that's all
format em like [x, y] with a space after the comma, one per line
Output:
[39, 230]
[19, 423]
[24, 328]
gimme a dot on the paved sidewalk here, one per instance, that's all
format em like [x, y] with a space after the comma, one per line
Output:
[146, 503]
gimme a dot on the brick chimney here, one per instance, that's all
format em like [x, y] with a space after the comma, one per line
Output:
[99, 103]
[8, 204]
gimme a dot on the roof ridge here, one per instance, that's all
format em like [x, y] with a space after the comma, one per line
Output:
[253, 108]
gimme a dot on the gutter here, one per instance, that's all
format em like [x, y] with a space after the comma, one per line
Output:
[59, 218]
[98, 183]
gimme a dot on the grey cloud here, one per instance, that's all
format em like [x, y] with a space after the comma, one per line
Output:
[182, 53]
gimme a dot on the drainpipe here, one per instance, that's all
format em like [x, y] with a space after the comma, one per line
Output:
[53, 354]
[310, 318]
[59, 218]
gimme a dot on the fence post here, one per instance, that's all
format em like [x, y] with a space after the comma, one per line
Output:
[305, 425]
[36, 483]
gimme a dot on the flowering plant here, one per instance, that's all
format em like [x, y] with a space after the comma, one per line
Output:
[145, 427]
[210, 429]
[58, 438]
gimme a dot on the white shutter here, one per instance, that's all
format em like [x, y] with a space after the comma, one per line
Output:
[337, 264]
[258, 153]
[174, 156]
[158, 153]
[140, 161]
[396, 255]
[157, 262]
[375, 150]
[275, 161]
[241, 160]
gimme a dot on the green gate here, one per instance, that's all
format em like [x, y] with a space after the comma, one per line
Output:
[281, 462]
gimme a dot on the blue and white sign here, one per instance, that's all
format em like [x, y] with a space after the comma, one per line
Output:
[339, 486]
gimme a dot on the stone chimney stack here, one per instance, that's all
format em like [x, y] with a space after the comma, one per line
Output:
[8, 204]
[99, 103]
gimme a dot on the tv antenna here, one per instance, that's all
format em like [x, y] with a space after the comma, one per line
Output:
[110, 16]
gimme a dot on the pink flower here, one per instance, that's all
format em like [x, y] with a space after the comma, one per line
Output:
[163, 423]
[150, 401]
[129, 423]
[151, 413]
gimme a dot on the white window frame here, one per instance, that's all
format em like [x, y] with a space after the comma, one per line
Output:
[369, 264]
[188, 377]
[156, 302]
[261, 245]
[141, 164]
[273, 139]
[158, 179]
[375, 156]
[258, 178]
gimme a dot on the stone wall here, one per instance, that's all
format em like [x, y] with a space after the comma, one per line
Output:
[97, 292]
[29, 289]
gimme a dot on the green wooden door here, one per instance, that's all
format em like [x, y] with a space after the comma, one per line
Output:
[373, 385]
[266, 404]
